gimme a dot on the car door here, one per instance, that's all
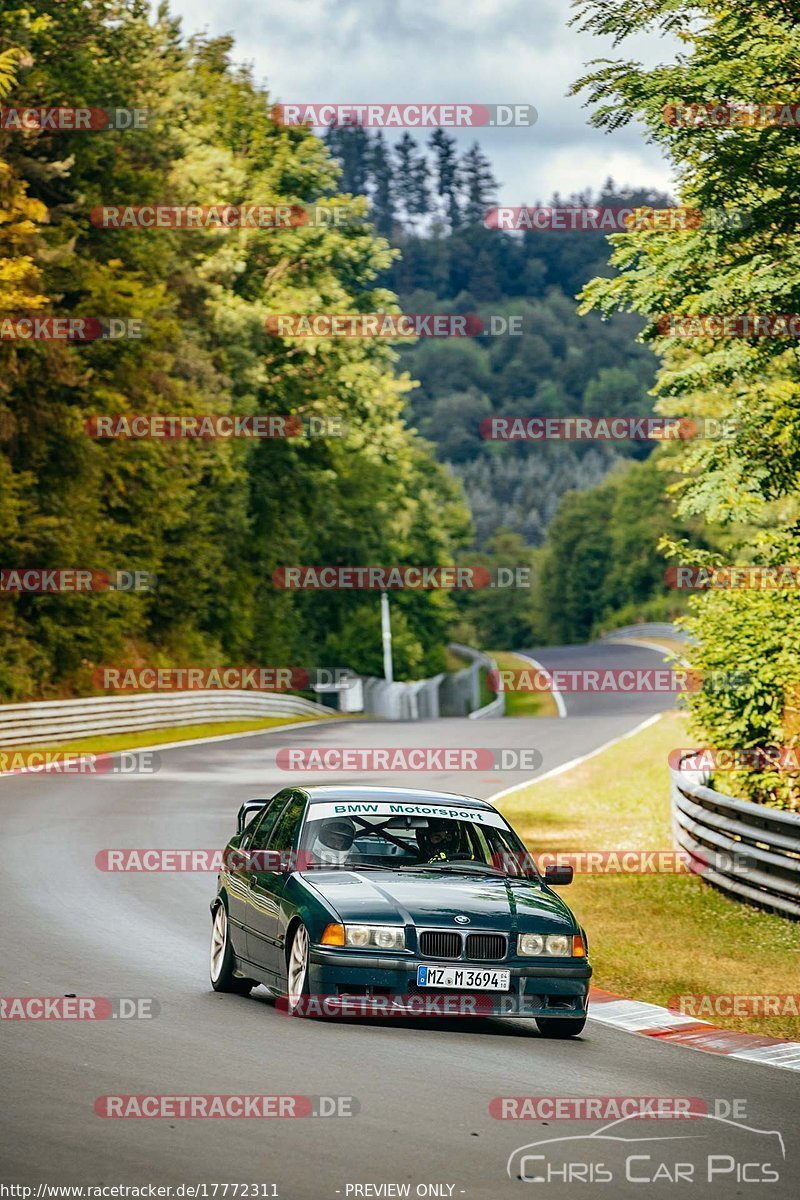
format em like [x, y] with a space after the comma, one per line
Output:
[238, 875]
[258, 835]
[264, 932]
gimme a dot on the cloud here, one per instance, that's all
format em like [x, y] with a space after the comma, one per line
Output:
[450, 51]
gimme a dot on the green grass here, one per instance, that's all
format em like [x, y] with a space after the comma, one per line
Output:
[655, 936]
[149, 737]
[522, 704]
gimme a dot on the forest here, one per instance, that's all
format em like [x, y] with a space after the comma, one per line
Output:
[408, 480]
[386, 464]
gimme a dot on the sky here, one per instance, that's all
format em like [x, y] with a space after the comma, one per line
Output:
[465, 51]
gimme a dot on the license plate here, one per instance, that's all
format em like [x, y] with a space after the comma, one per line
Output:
[477, 979]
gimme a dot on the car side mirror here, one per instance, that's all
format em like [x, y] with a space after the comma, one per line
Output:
[248, 810]
[557, 876]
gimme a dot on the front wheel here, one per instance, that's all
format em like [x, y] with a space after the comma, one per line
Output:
[221, 957]
[297, 970]
[560, 1027]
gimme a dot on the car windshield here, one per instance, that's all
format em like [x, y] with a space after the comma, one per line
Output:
[340, 836]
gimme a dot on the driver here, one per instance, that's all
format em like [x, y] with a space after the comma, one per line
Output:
[333, 841]
[440, 841]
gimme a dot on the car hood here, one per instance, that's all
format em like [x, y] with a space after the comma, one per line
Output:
[429, 899]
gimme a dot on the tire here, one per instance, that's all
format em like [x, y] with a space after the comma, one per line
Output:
[297, 971]
[560, 1027]
[221, 957]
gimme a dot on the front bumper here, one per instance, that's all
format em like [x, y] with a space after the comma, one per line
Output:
[378, 985]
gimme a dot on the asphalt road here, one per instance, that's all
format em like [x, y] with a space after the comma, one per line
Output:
[422, 1088]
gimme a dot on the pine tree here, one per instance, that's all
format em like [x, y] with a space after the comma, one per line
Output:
[447, 176]
[479, 186]
[411, 179]
[421, 195]
[350, 145]
[382, 189]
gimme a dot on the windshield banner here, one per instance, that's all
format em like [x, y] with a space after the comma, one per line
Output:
[405, 808]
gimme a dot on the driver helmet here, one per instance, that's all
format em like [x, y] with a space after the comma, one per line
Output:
[334, 840]
[440, 837]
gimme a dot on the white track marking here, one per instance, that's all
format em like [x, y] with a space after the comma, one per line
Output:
[557, 696]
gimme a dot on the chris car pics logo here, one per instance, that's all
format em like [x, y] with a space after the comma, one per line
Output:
[707, 1150]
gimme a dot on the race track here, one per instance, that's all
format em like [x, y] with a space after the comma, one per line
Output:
[422, 1088]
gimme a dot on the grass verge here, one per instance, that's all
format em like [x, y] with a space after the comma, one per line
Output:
[147, 737]
[523, 704]
[655, 936]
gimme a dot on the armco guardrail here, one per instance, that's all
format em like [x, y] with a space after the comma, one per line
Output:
[478, 660]
[647, 629]
[53, 721]
[750, 851]
[451, 694]
[412, 700]
[456, 693]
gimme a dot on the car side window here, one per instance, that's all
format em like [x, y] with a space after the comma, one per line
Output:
[257, 816]
[288, 825]
[478, 845]
[267, 822]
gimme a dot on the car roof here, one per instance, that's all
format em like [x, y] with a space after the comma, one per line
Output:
[317, 793]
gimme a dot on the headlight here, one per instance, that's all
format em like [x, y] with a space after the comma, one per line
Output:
[382, 937]
[530, 943]
[554, 944]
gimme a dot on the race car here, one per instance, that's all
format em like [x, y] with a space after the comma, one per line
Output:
[382, 900]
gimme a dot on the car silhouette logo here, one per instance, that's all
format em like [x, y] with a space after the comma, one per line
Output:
[615, 1132]
[462, 920]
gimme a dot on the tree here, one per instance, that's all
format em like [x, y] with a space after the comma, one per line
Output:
[499, 616]
[382, 189]
[448, 177]
[211, 519]
[743, 258]
[574, 566]
[411, 180]
[350, 145]
[478, 184]
[600, 565]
